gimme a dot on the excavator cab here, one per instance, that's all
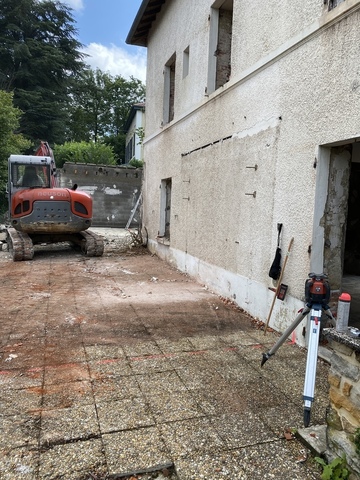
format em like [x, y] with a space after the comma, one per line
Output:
[24, 172]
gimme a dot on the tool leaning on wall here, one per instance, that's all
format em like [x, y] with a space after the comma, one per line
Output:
[272, 273]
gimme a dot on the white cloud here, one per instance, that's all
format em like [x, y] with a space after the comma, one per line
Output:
[75, 4]
[116, 60]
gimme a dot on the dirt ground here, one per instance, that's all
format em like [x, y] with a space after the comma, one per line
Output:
[115, 365]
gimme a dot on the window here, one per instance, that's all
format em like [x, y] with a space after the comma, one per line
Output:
[334, 3]
[130, 149]
[186, 57]
[165, 208]
[169, 90]
[220, 40]
[133, 142]
[30, 175]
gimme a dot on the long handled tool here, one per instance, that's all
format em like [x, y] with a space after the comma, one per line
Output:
[278, 284]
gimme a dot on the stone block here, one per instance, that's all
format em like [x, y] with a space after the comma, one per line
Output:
[334, 379]
[340, 401]
[340, 443]
[355, 394]
[333, 419]
[349, 425]
[344, 368]
[346, 389]
[341, 348]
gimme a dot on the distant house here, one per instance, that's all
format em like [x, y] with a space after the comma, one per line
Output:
[134, 128]
[252, 120]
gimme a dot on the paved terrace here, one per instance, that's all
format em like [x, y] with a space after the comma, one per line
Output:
[121, 364]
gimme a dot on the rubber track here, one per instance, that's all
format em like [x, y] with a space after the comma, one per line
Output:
[20, 245]
[94, 244]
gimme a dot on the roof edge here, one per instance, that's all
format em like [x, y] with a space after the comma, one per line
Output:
[136, 23]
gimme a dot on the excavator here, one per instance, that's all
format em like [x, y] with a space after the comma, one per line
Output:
[41, 212]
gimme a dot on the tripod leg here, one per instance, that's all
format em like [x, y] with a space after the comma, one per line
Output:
[329, 315]
[285, 335]
[311, 361]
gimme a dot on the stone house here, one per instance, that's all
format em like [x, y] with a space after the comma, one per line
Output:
[134, 126]
[252, 120]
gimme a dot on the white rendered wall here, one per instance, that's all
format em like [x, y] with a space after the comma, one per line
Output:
[294, 86]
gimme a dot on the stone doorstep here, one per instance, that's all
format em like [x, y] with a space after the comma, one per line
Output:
[314, 438]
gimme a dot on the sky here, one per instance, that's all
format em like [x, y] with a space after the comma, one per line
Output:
[103, 26]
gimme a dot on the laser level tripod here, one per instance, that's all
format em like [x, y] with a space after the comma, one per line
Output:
[317, 295]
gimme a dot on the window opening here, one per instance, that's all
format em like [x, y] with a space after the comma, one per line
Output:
[186, 59]
[334, 3]
[30, 175]
[221, 21]
[165, 208]
[169, 90]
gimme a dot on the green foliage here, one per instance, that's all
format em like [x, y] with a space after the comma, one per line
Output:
[117, 142]
[83, 152]
[136, 163]
[336, 470]
[90, 114]
[61, 98]
[39, 57]
[140, 132]
[357, 441]
[123, 95]
[10, 143]
[100, 106]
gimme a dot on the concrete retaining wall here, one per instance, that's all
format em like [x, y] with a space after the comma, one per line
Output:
[114, 189]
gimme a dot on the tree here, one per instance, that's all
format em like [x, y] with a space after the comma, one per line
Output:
[39, 57]
[123, 95]
[118, 144]
[91, 110]
[100, 107]
[10, 143]
[83, 152]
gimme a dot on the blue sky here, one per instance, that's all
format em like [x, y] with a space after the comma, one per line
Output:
[103, 26]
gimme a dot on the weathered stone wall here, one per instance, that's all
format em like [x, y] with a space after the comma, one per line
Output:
[114, 190]
[343, 418]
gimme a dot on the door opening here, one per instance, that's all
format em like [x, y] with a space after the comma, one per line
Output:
[342, 225]
[351, 270]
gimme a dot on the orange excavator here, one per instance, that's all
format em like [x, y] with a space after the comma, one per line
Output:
[42, 212]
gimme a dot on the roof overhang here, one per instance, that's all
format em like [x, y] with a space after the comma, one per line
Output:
[139, 31]
[135, 108]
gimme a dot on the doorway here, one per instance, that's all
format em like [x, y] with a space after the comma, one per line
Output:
[351, 270]
[342, 224]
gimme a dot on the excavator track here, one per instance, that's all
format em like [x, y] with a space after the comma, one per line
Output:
[20, 245]
[93, 246]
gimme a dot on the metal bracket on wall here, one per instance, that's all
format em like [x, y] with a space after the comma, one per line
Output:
[255, 167]
[251, 194]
